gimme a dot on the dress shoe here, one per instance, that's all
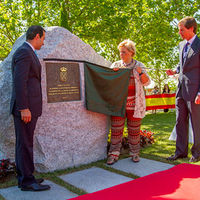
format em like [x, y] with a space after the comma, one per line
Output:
[193, 159]
[35, 187]
[38, 180]
[175, 157]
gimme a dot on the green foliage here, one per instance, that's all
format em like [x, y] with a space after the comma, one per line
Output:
[8, 29]
[105, 23]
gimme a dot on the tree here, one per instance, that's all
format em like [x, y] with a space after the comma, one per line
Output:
[9, 29]
[104, 24]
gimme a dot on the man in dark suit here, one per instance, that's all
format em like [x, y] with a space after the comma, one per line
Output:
[188, 92]
[26, 106]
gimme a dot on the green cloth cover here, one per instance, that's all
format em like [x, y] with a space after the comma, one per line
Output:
[106, 90]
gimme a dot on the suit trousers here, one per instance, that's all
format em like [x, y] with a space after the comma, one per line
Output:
[184, 110]
[24, 150]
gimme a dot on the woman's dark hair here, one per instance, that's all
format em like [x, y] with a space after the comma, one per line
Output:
[33, 31]
[164, 89]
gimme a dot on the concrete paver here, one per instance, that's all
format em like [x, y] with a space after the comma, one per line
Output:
[142, 168]
[55, 193]
[90, 180]
[94, 179]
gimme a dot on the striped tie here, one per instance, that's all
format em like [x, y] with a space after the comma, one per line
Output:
[185, 51]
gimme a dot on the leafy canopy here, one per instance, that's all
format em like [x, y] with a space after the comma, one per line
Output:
[104, 24]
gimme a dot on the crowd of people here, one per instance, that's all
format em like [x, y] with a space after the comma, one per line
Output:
[26, 101]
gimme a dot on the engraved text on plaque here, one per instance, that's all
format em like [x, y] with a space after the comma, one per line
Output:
[63, 82]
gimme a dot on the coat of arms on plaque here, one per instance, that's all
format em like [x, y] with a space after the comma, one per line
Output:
[63, 74]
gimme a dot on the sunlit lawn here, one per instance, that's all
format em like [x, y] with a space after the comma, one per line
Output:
[161, 124]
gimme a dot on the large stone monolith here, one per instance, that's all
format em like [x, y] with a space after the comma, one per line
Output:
[67, 134]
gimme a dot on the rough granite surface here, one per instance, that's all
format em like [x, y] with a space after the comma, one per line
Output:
[66, 134]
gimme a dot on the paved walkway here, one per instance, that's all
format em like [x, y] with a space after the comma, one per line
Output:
[89, 180]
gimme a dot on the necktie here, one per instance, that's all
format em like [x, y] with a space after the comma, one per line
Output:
[185, 50]
[35, 53]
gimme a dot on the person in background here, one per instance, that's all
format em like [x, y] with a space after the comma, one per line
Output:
[26, 106]
[166, 90]
[155, 91]
[135, 106]
[188, 91]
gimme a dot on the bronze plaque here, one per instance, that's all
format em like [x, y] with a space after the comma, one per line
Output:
[63, 82]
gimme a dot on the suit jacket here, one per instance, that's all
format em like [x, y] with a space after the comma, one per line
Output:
[189, 71]
[26, 72]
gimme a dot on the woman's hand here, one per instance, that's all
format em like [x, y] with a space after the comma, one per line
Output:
[144, 78]
[139, 69]
[116, 69]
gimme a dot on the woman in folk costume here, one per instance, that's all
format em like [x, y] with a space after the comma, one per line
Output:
[135, 106]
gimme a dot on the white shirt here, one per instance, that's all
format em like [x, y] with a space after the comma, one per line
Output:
[190, 43]
[191, 40]
[30, 45]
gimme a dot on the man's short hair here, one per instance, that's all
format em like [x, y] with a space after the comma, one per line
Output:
[33, 31]
[189, 22]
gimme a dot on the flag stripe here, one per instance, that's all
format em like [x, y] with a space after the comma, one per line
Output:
[160, 101]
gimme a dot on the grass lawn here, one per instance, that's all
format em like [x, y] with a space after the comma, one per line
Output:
[161, 124]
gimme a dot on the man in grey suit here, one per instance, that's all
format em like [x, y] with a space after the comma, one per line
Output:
[188, 92]
[26, 106]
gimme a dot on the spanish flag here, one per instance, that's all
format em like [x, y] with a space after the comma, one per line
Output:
[160, 101]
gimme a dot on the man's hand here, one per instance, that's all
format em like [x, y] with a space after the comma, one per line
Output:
[25, 115]
[170, 72]
[197, 99]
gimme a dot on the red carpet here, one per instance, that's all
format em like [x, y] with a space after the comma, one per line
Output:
[181, 182]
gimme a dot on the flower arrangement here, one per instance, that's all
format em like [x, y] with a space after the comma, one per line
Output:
[6, 167]
[146, 137]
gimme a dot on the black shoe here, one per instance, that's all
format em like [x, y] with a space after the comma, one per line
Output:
[35, 187]
[175, 157]
[193, 159]
[38, 180]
